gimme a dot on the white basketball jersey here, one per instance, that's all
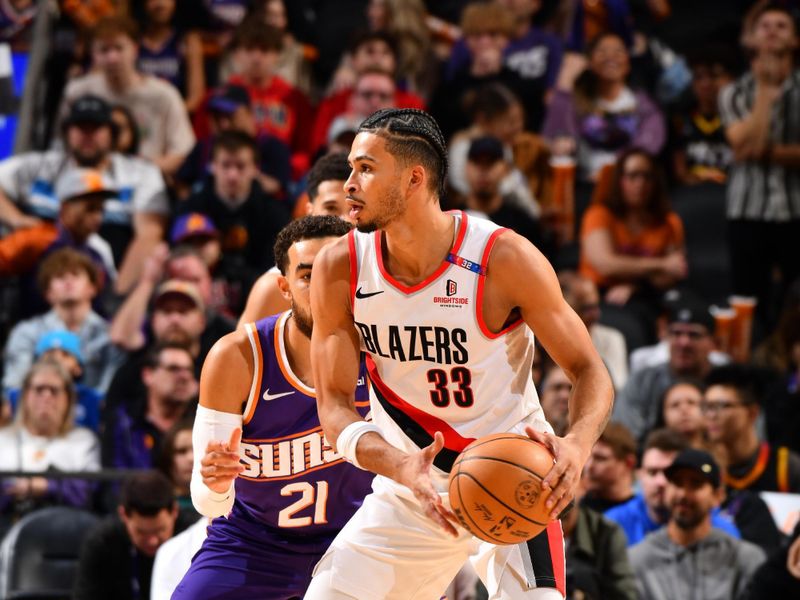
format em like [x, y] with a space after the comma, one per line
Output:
[433, 363]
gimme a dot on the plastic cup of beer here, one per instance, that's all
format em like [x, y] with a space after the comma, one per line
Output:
[563, 168]
[724, 319]
[745, 308]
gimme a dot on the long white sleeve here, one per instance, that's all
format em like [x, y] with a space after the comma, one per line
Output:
[211, 425]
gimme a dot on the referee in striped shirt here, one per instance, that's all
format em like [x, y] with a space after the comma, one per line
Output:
[761, 113]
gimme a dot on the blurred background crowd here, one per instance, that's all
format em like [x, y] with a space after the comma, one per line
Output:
[151, 150]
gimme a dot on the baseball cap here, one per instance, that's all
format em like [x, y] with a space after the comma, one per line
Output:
[59, 340]
[178, 287]
[696, 460]
[80, 182]
[89, 109]
[190, 225]
[691, 310]
[344, 125]
[228, 98]
[486, 150]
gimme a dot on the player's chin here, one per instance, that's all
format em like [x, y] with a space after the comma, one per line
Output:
[366, 226]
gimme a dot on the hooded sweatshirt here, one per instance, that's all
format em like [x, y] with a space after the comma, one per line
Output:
[717, 567]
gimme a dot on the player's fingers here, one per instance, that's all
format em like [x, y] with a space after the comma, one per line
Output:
[228, 459]
[214, 446]
[562, 494]
[435, 446]
[433, 513]
[554, 475]
[236, 437]
[548, 440]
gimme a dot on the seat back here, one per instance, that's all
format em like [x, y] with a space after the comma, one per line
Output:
[39, 555]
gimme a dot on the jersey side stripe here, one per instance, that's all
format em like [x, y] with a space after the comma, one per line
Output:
[258, 362]
[481, 282]
[418, 425]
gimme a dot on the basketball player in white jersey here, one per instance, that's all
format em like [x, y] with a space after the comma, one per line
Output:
[325, 197]
[445, 307]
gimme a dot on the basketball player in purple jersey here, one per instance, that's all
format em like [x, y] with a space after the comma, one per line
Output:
[277, 491]
[444, 305]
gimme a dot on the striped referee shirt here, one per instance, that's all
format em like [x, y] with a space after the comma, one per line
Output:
[759, 191]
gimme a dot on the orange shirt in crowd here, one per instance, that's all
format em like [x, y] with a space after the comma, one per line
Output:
[655, 240]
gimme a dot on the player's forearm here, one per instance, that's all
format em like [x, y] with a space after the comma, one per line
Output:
[372, 452]
[590, 405]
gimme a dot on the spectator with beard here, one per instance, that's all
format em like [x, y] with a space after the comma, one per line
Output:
[647, 511]
[134, 218]
[689, 558]
[133, 430]
[176, 314]
[69, 280]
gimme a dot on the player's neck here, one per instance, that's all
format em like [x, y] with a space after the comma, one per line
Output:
[416, 244]
[298, 351]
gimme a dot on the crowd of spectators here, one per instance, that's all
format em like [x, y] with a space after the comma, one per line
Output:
[183, 139]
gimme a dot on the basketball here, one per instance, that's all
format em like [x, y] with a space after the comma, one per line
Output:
[495, 488]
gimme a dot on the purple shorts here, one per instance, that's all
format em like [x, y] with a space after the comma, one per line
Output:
[242, 559]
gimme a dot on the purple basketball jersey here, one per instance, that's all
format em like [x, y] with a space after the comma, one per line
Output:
[294, 481]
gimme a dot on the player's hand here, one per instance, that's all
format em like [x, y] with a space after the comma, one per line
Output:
[565, 475]
[220, 465]
[415, 474]
[793, 559]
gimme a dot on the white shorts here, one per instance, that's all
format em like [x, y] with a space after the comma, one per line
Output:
[389, 550]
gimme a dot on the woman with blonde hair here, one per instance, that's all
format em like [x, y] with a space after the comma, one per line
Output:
[43, 437]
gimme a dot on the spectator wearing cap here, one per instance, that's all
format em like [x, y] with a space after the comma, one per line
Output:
[691, 342]
[133, 218]
[166, 133]
[487, 166]
[247, 218]
[64, 347]
[325, 196]
[229, 108]
[647, 511]
[44, 437]
[83, 194]
[689, 558]
[197, 231]
[133, 429]
[69, 281]
[279, 109]
[156, 311]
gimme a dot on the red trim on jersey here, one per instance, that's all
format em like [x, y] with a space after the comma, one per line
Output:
[452, 439]
[555, 539]
[481, 282]
[351, 244]
[462, 232]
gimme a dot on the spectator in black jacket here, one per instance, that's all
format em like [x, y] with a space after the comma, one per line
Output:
[116, 560]
[247, 218]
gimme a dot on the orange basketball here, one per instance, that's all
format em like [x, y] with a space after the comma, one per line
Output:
[495, 488]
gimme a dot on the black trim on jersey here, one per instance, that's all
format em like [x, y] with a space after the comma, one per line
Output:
[541, 560]
[416, 432]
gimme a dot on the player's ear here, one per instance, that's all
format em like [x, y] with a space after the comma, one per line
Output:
[283, 286]
[416, 178]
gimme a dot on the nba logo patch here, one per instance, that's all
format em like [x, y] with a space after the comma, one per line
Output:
[452, 287]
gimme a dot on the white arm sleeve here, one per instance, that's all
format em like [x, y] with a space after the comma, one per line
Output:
[210, 425]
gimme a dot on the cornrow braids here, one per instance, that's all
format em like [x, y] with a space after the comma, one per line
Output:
[412, 134]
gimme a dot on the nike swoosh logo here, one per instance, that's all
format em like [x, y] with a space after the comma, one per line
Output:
[361, 295]
[268, 396]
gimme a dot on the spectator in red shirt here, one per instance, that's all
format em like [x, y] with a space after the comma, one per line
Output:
[279, 109]
[370, 51]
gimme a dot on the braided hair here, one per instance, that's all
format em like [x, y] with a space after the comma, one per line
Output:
[412, 135]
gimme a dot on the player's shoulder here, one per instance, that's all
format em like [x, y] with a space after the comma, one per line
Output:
[231, 345]
[335, 256]
[509, 249]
